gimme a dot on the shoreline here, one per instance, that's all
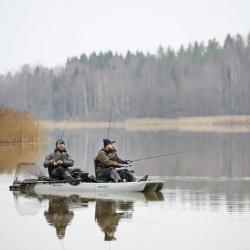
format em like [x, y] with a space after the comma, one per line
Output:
[230, 124]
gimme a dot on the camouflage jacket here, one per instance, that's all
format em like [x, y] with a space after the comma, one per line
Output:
[107, 158]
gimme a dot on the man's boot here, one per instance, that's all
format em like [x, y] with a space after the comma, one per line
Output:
[144, 178]
[71, 180]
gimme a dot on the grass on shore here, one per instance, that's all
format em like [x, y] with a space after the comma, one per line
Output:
[12, 154]
[17, 127]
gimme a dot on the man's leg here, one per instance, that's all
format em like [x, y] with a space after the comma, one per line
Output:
[61, 173]
[125, 174]
[113, 175]
[130, 177]
[108, 174]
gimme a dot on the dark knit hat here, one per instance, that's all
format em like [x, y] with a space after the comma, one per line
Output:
[60, 141]
[107, 142]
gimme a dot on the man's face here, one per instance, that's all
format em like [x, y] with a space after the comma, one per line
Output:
[61, 146]
[110, 146]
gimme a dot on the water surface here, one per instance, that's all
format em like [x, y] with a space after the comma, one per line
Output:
[205, 203]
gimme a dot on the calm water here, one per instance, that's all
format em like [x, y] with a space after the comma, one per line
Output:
[205, 203]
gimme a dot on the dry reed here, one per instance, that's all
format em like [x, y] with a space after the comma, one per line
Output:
[17, 127]
[12, 154]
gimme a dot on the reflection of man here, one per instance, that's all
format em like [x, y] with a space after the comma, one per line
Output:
[108, 218]
[58, 215]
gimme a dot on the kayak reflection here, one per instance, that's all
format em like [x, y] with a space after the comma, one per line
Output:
[60, 212]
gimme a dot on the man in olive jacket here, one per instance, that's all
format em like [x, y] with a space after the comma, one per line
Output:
[59, 162]
[106, 163]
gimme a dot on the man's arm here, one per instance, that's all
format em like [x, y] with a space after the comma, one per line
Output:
[106, 162]
[47, 161]
[119, 160]
[67, 163]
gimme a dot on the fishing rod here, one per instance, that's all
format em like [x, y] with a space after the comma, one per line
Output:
[64, 130]
[163, 155]
[110, 114]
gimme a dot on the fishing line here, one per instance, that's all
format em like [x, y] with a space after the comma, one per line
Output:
[163, 155]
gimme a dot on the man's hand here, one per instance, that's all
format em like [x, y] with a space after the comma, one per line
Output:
[128, 162]
[118, 165]
[55, 163]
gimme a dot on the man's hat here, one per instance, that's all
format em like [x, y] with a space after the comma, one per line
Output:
[60, 232]
[60, 141]
[107, 142]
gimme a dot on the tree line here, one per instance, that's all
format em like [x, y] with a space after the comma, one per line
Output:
[197, 80]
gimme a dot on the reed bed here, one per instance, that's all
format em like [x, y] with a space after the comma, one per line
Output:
[12, 154]
[17, 127]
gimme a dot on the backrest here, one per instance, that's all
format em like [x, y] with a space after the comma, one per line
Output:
[95, 165]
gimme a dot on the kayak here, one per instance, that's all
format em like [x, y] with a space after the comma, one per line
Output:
[92, 196]
[61, 186]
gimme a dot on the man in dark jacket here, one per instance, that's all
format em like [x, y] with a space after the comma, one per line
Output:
[106, 163]
[59, 163]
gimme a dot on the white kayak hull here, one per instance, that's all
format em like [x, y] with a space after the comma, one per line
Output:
[141, 186]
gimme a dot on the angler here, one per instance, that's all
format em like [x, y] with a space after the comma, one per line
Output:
[108, 166]
[59, 165]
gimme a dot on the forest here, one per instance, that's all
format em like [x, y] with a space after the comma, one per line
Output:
[198, 80]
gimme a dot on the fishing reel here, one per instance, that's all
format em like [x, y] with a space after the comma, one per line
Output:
[126, 169]
[126, 173]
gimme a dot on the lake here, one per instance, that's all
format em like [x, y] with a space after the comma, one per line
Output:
[205, 203]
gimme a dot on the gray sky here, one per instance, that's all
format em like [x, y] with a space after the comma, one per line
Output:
[48, 31]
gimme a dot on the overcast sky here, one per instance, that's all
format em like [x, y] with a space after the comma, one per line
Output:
[48, 31]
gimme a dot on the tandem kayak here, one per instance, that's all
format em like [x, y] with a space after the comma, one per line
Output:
[60, 186]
